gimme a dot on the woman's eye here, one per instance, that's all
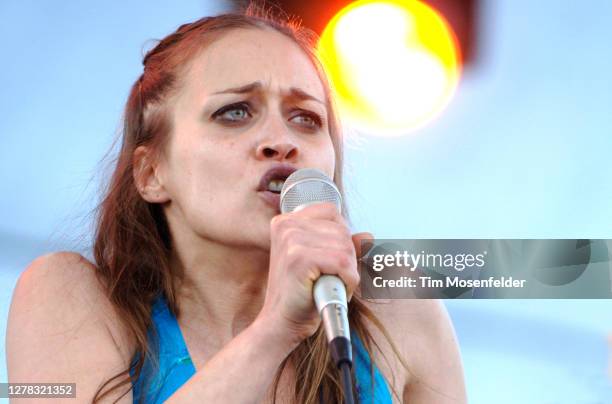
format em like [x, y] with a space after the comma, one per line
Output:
[308, 120]
[233, 113]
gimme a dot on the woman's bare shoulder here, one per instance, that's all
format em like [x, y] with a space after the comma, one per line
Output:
[423, 333]
[67, 282]
[62, 326]
[418, 318]
[411, 324]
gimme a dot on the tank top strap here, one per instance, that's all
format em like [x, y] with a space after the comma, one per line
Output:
[174, 367]
[370, 384]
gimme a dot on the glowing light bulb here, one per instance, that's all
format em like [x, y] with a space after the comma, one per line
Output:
[394, 65]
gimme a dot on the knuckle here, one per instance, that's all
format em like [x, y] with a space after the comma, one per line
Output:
[351, 278]
[351, 267]
[282, 223]
[291, 235]
[295, 254]
[346, 245]
[338, 228]
[342, 260]
[344, 231]
[276, 222]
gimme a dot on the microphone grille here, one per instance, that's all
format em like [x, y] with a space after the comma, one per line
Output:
[307, 186]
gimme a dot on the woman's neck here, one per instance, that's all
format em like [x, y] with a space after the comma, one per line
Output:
[222, 287]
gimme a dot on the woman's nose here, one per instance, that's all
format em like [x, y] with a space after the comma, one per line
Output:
[277, 151]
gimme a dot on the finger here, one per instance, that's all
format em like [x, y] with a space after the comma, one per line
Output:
[320, 210]
[345, 268]
[313, 233]
[363, 242]
[315, 226]
[326, 262]
[325, 241]
[322, 227]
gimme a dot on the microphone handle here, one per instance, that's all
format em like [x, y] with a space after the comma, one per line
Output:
[330, 299]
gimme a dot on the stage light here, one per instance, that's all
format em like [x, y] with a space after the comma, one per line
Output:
[394, 65]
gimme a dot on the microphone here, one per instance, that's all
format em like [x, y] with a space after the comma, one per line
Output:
[302, 188]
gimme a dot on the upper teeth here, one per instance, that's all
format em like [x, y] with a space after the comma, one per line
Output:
[276, 185]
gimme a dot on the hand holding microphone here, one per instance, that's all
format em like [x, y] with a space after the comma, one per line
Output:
[303, 188]
[305, 244]
[312, 256]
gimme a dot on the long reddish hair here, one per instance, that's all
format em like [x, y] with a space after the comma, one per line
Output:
[132, 242]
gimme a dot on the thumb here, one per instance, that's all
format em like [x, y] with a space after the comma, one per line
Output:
[362, 242]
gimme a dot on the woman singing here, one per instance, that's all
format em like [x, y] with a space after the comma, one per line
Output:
[200, 290]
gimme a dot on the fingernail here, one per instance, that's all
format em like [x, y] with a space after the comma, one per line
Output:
[365, 246]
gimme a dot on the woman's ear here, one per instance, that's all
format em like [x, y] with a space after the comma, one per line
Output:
[147, 177]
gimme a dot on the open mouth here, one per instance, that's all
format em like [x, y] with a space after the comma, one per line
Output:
[276, 185]
[271, 183]
[275, 177]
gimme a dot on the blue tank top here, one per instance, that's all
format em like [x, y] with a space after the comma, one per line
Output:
[175, 367]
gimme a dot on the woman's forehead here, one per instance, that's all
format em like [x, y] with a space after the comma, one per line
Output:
[244, 56]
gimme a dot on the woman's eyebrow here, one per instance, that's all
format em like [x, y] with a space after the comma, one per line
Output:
[257, 86]
[303, 95]
[249, 88]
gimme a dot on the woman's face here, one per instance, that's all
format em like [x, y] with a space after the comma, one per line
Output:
[251, 101]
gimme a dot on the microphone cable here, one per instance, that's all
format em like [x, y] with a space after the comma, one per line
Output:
[340, 350]
[347, 382]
